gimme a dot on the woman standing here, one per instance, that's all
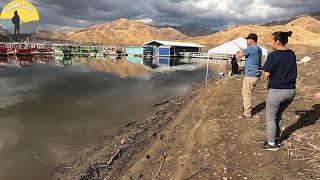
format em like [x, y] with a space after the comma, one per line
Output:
[281, 70]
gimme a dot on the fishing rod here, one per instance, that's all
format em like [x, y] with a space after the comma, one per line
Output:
[232, 41]
[46, 165]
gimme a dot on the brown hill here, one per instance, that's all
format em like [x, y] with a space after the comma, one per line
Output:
[49, 34]
[305, 34]
[124, 32]
[4, 37]
[308, 23]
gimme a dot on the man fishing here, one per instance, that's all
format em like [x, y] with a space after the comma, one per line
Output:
[253, 54]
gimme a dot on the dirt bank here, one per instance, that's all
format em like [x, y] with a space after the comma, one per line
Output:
[198, 136]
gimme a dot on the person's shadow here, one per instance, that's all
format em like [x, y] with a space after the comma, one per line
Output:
[307, 118]
[259, 108]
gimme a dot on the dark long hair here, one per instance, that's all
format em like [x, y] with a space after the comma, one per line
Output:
[282, 36]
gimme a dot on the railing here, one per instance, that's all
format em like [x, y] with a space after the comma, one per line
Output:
[205, 55]
[193, 54]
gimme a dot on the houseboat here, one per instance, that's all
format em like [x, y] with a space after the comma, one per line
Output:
[44, 48]
[6, 49]
[113, 50]
[139, 50]
[63, 49]
[24, 49]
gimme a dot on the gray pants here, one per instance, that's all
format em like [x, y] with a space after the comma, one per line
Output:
[277, 101]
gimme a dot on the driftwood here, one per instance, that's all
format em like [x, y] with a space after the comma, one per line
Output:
[164, 157]
[196, 174]
[114, 157]
[161, 103]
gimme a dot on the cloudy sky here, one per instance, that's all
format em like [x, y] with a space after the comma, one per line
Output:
[64, 15]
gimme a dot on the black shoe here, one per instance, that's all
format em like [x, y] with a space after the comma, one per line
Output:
[279, 142]
[268, 147]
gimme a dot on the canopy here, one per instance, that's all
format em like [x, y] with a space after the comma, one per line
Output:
[231, 47]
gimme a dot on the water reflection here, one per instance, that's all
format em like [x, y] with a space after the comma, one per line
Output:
[4, 61]
[135, 60]
[167, 61]
[121, 66]
[24, 60]
[61, 61]
[135, 66]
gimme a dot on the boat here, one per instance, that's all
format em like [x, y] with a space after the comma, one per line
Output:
[24, 49]
[63, 49]
[112, 50]
[4, 49]
[44, 48]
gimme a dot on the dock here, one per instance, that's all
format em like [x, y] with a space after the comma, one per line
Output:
[205, 55]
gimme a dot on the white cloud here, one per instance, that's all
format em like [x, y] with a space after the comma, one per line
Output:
[146, 20]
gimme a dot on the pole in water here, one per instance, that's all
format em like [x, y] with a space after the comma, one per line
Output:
[46, 165]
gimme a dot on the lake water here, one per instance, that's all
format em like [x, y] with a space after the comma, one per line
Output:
[57, 108]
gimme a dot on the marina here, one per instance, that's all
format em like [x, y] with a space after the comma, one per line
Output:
[152, 49]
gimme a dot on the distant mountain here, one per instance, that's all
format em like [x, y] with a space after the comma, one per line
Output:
[119, 32]
[192, 31]
[124, 32]
[315, 15]
[44, 35]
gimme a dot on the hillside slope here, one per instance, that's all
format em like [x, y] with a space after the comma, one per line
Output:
[306, 33]
[119, 32]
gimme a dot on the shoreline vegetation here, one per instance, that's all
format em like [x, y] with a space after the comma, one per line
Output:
[198, 136]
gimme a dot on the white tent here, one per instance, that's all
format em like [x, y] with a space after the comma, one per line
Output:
[232, 47]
